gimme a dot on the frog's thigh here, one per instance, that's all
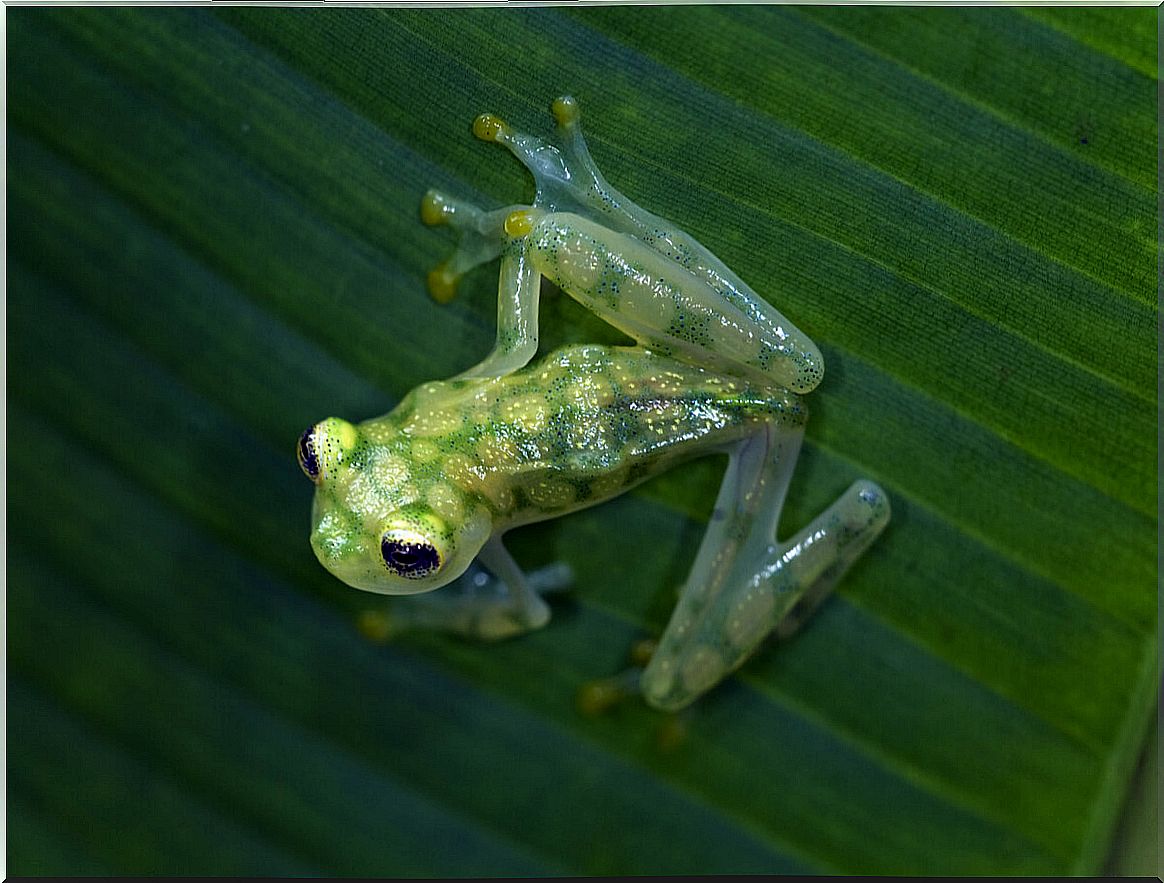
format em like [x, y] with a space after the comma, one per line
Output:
[613, 274]
[655, 300]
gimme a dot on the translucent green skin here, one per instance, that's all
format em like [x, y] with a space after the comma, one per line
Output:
[472, 458]
[405, 502]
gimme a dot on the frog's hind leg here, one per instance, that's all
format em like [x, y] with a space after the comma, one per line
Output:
[568, 181]
[828, 547]
[741, 526]
[745, 586]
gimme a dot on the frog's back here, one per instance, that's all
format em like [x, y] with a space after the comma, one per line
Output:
[590, 421]
[645, 404]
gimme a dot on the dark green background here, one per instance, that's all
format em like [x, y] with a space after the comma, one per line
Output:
[213, 242]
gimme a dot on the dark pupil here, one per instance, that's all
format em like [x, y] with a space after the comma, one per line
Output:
[409, 559]
[307, 455]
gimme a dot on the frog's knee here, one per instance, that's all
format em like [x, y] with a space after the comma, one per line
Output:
[808, 365]
[796, 364]
[869, 507]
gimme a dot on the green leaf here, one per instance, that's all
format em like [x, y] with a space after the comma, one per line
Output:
[213, 242]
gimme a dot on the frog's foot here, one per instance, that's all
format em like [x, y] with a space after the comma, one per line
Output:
[565, 175]
[478, 605]
[482, 237]
[709, 638]
[602, 696]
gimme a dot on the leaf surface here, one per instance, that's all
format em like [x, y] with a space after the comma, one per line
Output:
[213, 242]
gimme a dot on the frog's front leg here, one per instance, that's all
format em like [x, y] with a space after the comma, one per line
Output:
[484, 236]
[488, 603]
[744, 585]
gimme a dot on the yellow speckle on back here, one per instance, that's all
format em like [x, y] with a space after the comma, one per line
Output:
[496, 452]
[590, 391]
[471, 476]
[608, 485]
[392, 470]
[432, 424]
[528, 413]
[587, 436]
[550, 493]
[502, 496]
[424, 451]
[458, 467]
[445, 502]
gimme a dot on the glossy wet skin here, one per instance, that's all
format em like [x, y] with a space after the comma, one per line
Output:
[405, 502]
[458, 461]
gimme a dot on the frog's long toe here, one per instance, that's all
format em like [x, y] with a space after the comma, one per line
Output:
[565, 111]
[603, 694]
[439, 209]
[543, 160]
[482, 237]
[489, 127]
[573, 145]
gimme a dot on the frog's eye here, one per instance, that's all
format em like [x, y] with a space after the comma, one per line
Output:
[324, 446]
[307, 455]
[409, 554]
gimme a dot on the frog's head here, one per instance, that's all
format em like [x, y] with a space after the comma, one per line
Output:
[376, 522]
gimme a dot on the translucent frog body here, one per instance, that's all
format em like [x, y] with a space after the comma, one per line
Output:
[406, 503]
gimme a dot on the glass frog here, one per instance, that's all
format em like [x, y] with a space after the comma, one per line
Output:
[405, 502]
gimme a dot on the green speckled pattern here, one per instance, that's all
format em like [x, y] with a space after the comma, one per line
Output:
[575, 429]
[406, 502]
[666, 306]
[579, 427]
